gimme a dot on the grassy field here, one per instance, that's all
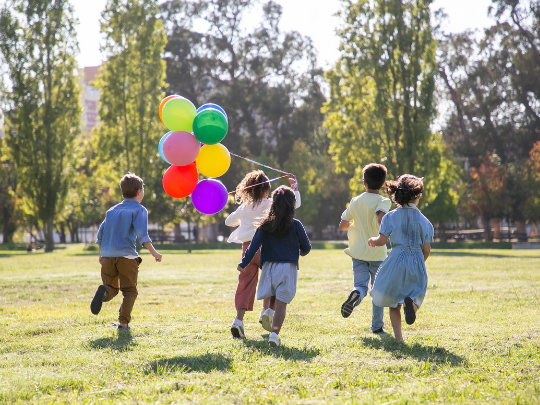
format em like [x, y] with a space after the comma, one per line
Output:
[476, 339]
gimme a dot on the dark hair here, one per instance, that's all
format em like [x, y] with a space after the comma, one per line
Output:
[252, 194]
[374, 175]
[280, 217]
[405, 189]
[130, 184]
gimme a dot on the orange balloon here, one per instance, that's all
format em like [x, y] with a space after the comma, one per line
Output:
[162, 104]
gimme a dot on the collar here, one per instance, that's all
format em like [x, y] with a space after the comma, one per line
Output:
[130, 200]
[409, 206]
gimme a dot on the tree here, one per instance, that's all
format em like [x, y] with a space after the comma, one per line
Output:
[488, 195]
[38, 47]
[9, 201]
[131, 82]
[532, 183]
[266, 79]
[381, 92]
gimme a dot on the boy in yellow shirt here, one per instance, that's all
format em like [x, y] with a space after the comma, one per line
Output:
[362, 220]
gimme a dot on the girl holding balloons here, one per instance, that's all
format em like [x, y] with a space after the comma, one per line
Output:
[254, 203]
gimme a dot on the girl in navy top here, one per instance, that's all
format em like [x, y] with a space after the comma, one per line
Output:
[283, 240]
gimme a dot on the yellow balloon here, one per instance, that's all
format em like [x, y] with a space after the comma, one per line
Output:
[213, 160]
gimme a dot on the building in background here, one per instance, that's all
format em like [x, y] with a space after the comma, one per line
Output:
[89, 98]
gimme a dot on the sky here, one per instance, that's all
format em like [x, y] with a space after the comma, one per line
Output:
[314, 18]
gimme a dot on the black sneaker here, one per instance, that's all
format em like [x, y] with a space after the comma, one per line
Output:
[380, 331]
[349, 304]
[408, 309]
[97, 302]
[123, 328]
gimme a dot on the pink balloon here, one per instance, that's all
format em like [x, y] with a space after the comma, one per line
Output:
[181, 148]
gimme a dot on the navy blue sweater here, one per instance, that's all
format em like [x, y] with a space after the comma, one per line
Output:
[278, 249]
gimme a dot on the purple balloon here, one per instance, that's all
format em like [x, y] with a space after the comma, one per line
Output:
[210, 196]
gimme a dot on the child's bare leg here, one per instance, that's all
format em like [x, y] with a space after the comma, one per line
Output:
[271, 302]
[281, 308]
[395, 318]
[240, 314]
[266, 304]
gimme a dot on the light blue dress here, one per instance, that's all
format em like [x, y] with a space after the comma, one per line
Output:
[403, 273]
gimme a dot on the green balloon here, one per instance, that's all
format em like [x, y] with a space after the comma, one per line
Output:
[178, 114]
[210, 126]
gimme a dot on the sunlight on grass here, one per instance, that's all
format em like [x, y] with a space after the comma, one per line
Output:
[476, 338]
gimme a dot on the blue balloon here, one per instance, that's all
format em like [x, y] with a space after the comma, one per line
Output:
[160, 146]
[215, 107]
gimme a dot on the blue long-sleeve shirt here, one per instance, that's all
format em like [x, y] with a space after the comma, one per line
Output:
[278, 249]
[123, 224]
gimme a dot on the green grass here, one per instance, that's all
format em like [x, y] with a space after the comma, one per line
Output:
[476, 339]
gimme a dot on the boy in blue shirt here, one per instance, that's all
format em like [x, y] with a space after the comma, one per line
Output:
[116, 237]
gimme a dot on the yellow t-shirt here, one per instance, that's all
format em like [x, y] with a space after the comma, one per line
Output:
[362, 211]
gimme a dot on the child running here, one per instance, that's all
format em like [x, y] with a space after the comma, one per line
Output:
[283, 240]
[362, 219]
[254, 204]
[402, 277]
[123, 224]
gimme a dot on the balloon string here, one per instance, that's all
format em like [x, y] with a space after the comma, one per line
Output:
[258, 184]
[260, 164]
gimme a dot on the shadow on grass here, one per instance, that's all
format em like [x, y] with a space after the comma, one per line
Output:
[435, 354]
[205, 363]
[122, 342]
[478, 253]
[282, 352]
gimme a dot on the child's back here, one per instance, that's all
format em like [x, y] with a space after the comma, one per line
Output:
[362, 212]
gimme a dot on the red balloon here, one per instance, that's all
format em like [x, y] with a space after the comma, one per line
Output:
[180, 181]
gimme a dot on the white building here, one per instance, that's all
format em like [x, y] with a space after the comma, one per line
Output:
[89, 98]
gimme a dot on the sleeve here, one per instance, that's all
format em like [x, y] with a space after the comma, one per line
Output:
[100, 232]
[140, 223]
[234, 218]
[305, 245]
[427, 232]
[255, 244]
[347, 214]
[298, 199]
[386, 226]
[384, 206]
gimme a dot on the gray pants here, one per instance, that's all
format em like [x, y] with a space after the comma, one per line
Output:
[364, 271]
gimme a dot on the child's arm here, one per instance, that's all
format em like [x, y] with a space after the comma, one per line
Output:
[426, 249]
[255, 244]
[153, 251]
[234, 217]
[380, 216]
[294, 185]
[99, 254]
[378, 241]
[305, 246]
[99, 236]
[344, 225]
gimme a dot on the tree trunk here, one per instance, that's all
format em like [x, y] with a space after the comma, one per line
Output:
[521, 231]
[487, 227]
[496, 228]
[62, 232]
[189, 236]
[9, 227]
[442, 232]
[177, 233]
[48, 234]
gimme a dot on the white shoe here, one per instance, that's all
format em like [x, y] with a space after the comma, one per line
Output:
[267, 319]
[260, 317]
[237, 329]
[273, 340]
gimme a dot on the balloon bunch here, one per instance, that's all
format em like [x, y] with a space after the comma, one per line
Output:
[192, 146]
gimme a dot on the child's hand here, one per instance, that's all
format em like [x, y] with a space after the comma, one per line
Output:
[157, 256]
[292, 180]
[99, 259]
[370, 242]
[240, 269]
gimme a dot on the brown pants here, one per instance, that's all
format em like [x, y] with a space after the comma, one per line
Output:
[115, 269]
[247, 282]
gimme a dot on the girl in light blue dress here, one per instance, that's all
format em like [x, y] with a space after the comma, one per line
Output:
[402, 277]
